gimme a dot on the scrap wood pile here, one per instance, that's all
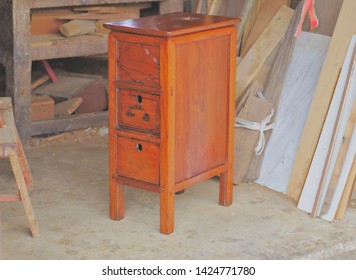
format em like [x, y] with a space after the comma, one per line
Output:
[296, 100]
[53, 25]
[56, 94]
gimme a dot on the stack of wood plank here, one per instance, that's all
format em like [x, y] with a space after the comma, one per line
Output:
[71, 93]
[61, 24]
[295, 100]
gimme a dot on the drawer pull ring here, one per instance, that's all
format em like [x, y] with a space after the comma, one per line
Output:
[139, 147]
[139, 99]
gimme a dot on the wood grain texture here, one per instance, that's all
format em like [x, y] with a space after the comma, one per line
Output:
[265, 44]
[42, 108]
[193, 96]
[170, 6]
[11, 147]
[77, 27]
[329, 143]
[68, 107]
[80, 121]
[8, 136]
[25, 198]
[350, 184]
[61, 3]
[171, 25]
[18, 66]
[345, 27]
[15, 39]
[268, 9]
[346, 138]
[201, 105]
[138, 64]
[138, 111]
[255, 109]
[296, 96]
[138, 159]
[275, 80]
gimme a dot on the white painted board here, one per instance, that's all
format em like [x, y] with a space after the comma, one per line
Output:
[294, 103]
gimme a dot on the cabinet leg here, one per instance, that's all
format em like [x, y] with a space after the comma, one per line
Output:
[117, 201]
[225, 189]
[167, 210]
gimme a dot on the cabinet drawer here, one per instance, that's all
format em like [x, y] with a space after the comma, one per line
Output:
[138, 160]
[138, 111]
[138, 64]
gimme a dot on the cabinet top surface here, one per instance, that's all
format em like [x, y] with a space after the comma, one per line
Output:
[170, 25]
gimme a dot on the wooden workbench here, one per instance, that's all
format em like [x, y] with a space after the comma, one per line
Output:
[17, 56]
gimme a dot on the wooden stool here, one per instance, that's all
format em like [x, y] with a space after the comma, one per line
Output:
[11, 147]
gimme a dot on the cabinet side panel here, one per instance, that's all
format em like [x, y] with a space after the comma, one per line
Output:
[202, 103]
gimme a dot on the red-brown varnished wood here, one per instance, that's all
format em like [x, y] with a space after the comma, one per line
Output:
[116, 189]
[202, 87]
[167, 141]
[138, 159]
[138, 111]
[172, 96]
[171, 25]
[226, 178]
[138, 63]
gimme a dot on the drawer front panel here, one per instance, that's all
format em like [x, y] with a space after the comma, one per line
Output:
[138, 160]
[138, 111]
[138, 64]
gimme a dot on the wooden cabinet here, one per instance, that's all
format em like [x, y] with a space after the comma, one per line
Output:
[171, 106]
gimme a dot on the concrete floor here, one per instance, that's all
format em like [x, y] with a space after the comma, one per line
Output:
[71, 201]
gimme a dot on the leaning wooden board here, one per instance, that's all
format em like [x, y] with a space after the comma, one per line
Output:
[329, 145]
[268, 9]
[298, 88]
[265, 44]
[344, 29]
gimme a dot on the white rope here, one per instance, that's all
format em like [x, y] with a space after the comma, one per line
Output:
[261, 127]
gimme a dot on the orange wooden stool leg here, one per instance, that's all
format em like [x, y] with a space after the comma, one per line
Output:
[23, 162]
[21, 184]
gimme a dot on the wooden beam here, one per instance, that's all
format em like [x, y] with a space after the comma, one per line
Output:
[78, 46]
[265, 44]
[61, 3]
[18, 65]
[275, 81]
[170, 6]
[344, 29]
[339, 162]
[268, 9]
[351, 181]
[72, 123]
